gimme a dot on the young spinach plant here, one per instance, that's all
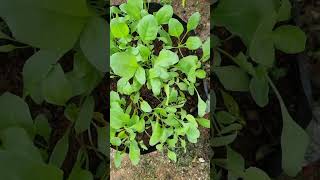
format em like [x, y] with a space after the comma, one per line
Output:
[170, 76]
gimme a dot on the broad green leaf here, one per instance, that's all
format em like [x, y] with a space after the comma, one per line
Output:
[243, 18]
[118, 118]
[172, 155]
[15, 112]
[133, 8]
[175, 28]
[261, 47]
[134, 152]
[193, 21]
[145, 107]
[193, 133]
[45, 24]
[223, 140]
[32, 80]
[232, 78]
[42, 126]
[60, 151]
[119, 28]
[56, 88]
[85, 115]
[235, 161]
[116, 141]
[141, 75]
[124, 64]
[166, 58]
[7, 48]
[259, 89]
[148, 28]
[187, 63]
[16, 166]
[164, 14]
[289, 39]
[192, 120]
[193, 43]
[284, 12]
[165, 37]
[71, 112]
[203, 122]
[231, 128]
[94, 44]
[231, 104]
[140, 125]
[254, 173]
[206, 50]
[16, 140]
[292, 137]
[156, 134]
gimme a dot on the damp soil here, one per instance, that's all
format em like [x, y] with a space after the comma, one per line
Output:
[11, 80]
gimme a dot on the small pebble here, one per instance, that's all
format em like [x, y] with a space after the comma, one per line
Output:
[201, 160]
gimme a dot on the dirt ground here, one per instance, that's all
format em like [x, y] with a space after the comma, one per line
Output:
[193, 165]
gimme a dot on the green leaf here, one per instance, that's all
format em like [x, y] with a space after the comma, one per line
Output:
[261, 48]
[32, 80]
[17, 140]
[202, 106]
[133, 8]
[193, 21]
[94, 44]
[145, 107]
[85, 115]
[156, 86]
[116, 141]
[188, 63]
[292, 137]
[284, 12]
[134, 152]
[201, 74]
[140, 125]
[80, 174]
[117, 159]
[193, 43]
[206, 50]
[148, 28]
[119, 28]
[103, 144]
[15, 112]
[56, 88]
[54, 25]
[193, 134]
[227, 74]
[60, 151]
[242, 61]
[223, 140]
[242, 18]
[124, 64]
[42, 126]
[7, 48]
[204, 122]
[175, 28]
[16, 166]
[289, 39]
[156, 134]
[235, 161]
[166, 58]
[164, 14]
[254, 173]
[259, 88]
[141, 75]
[172, 155]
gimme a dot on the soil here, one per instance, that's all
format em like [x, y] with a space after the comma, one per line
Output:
[156, 165]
